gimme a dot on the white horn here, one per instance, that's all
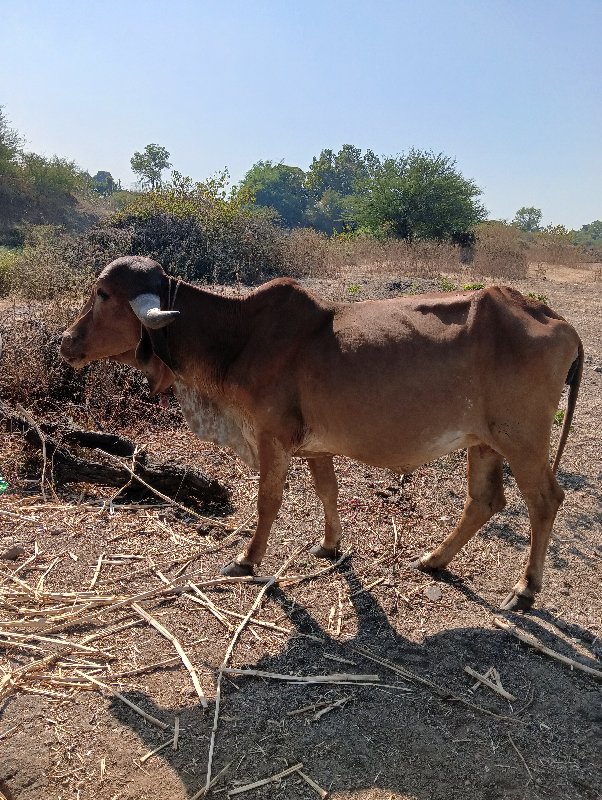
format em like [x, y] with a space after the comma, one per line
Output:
[147, 307]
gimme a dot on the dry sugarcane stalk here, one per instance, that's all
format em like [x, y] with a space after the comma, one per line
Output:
[230, 649]
[532, 642]
[336, 677]
[176, 732]
[491, 684]
[171, 638]
[133, 706]
[287, 580]
[128, 601]
[440, 691]
[202, 792]
[322, 792]
[96, 571]
[146, 757]
[369, 586]
[265, 781]
[331, 707]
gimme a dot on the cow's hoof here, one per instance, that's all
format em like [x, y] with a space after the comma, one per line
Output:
[422, 564]
[323, 552]
[517, 602]
[236, 570]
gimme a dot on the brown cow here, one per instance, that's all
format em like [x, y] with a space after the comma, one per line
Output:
[393, 383]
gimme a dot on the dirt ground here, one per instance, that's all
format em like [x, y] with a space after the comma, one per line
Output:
[420, 732]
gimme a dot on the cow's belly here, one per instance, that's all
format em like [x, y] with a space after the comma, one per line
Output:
[222, 425]
[400, 454]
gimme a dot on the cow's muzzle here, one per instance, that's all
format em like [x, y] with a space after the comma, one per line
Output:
[72, 350]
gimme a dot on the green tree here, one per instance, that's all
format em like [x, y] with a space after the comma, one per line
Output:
[330, 180]
[280, 187]
[150, 164]
[52, 176]
[528, 219]
[10, 145]
[103, 183]
[416, 196]
[589, 235]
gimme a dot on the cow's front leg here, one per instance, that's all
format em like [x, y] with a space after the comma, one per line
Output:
[273, 466]
[327, 489]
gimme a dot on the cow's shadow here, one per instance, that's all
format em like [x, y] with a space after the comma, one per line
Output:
[419, 743]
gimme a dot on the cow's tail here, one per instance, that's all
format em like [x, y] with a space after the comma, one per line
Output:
[573, 381]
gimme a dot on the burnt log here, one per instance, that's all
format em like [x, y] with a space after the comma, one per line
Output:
[181, 483]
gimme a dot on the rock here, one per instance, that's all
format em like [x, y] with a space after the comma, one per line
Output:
[433, 593]
[13, 553]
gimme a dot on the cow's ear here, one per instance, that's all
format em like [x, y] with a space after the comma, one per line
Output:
[157, 373]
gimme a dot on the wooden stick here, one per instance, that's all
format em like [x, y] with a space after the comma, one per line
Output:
[176, 733]
[394, 536]
[265, 781]
[493, 686]
[532, 642]
[180, 650]
[133, 706]
[322, 792]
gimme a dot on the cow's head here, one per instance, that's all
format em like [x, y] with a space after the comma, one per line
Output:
[122, 320]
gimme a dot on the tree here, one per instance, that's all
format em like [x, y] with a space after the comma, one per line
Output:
[416, 196]
[330, 180]
[10, 145]
[150, 164]
[528, 219]
[280, 187]
[589, 235]
[103, 183]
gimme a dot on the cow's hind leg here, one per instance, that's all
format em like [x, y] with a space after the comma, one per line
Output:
[327, 489]
[543, 496]
[273, 466]
[485, 497]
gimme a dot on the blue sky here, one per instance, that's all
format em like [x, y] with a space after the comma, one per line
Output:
[510, 88]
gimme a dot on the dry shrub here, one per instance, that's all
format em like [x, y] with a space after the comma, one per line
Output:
[349, 257]
[33, 374]
[551, 247]
[500, 252]
[305, 253]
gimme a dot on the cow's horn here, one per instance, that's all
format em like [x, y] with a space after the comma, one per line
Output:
[147, 308]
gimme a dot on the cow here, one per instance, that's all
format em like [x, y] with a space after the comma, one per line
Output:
[392, 383]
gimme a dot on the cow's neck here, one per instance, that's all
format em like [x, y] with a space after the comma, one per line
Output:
[206, 337]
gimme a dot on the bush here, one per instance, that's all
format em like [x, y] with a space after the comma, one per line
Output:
[500, 252]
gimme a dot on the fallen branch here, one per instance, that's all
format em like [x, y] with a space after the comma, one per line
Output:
[532, 642]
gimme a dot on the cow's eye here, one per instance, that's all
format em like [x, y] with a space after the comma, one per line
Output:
[102, 294]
